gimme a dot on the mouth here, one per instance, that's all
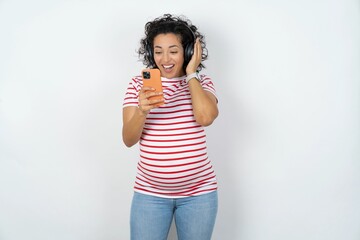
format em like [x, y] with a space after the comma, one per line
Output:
[168, 68]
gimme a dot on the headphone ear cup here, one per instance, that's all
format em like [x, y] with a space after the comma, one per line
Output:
[189, 50]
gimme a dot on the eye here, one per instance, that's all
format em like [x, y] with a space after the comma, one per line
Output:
[174, 52]
[157, 52]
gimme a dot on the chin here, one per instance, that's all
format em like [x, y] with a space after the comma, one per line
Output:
[169, 75]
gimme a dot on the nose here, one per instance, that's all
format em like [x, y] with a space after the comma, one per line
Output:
[166, 57]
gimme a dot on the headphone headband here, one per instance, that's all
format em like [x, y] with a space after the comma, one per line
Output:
[188, 48]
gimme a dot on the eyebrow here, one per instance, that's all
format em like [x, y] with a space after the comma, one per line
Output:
[169, 46]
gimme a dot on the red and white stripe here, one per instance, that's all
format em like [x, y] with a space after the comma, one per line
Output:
[173, 155]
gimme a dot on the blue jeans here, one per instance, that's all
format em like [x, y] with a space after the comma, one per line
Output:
[151, 216]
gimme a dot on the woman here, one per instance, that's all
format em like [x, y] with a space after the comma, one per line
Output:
[175, 178]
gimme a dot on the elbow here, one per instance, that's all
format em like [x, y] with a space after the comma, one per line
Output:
[206, 120]
[128, 144]
[205, 123]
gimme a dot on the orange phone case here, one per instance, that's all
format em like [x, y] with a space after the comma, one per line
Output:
[152, 78]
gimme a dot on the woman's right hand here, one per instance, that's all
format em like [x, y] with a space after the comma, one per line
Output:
[145, 103]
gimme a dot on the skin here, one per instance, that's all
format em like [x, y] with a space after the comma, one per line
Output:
[169, 58]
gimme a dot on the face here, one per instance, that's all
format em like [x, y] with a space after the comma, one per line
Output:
[169, 55]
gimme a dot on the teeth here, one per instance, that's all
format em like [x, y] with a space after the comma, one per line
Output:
[168, 66]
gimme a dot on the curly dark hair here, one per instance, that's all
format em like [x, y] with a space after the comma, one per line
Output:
[168, 23]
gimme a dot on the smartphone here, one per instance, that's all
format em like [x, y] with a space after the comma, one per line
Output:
[151, 78]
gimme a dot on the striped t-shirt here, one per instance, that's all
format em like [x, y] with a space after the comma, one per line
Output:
[173, 157]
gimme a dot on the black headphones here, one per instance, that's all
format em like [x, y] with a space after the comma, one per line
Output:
[188, 48]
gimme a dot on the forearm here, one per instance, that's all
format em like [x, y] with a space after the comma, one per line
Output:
[204, 104]
[132, 128]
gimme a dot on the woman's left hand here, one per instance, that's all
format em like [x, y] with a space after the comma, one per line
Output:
[195, 59]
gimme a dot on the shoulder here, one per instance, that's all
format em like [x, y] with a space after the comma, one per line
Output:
[135, 84]
[204, 77]
[207, 83]
[137, 79]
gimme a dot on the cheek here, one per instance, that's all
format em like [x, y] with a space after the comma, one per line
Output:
[181, 61]
[156, 59]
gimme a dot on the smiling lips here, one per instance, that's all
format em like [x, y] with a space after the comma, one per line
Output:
[168, 68]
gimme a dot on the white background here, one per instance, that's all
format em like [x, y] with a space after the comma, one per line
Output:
[286, 145]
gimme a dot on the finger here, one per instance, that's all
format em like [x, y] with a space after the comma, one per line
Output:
[199, 48]
[147, 92]
[143, 107]
[147, 105]
[144, 89]
[148, 95]
[155, 103]
[144, 99]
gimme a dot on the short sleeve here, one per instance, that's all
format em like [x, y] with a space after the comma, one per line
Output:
[132, 92]
[208, 84]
